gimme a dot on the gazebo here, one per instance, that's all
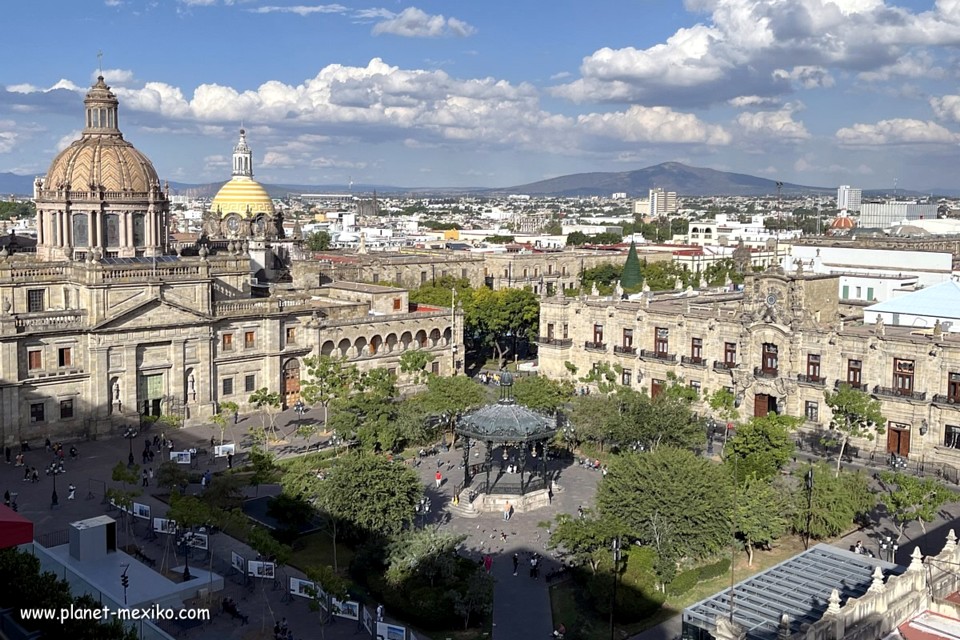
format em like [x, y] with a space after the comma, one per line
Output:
[520, 438]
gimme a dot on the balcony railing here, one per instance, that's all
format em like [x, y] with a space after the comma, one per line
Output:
[693, 360]
[760, 372]
[50, 320]
[723, 366]
[630, 351]
[941, 398]
[852, 385]
[891, 392]
[595, 346]
[557, 342]
[658, 355]
[808, 379]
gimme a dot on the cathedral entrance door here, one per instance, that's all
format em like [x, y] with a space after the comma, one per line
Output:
[151, 394]
[763, 404]
[290, 382]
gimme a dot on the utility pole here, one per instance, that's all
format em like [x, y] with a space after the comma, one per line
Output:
[776, 250]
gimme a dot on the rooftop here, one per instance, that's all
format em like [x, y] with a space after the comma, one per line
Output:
[799, 587]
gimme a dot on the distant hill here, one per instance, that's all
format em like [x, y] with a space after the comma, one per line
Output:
[671, 176]
[11, 183]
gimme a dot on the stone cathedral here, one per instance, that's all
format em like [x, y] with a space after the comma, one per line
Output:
[104, 325]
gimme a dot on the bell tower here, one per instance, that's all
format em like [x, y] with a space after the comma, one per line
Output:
[242, 158]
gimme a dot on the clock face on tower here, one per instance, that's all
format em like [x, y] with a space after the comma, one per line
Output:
[233, 224]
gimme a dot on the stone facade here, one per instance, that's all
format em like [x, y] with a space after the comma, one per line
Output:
[777, 345]
[87, 347]
[550, 271]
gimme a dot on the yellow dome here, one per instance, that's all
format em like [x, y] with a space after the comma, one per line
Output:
[244, 196]
[102, 162]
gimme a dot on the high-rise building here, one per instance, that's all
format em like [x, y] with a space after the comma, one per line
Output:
[848, 198]
[662, 202]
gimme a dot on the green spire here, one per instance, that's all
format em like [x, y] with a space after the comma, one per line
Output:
[632, 276]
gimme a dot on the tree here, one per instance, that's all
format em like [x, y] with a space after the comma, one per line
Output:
[318, 241]
[328, 378]
[226, 416]
[855, 415]
[543, 394]
[831, 503]
[663, 421]
[724, 404]
[909, 498]
[268, 403]
[171, 476]
[596, 417]
[762, 513]
[189, 512]
[265, 470]
[414, 363]
[475, 598]
[504, 314]
[762, 446]
[453, 394]
[128, 477]
[670, 499]
[428, 554]
[632, 276]
[371, 494]
[443, 292]
[586, 540]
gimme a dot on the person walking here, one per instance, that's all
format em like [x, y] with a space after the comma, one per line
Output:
[145, 481]
[150, 473]
[379, 613]
[507, 509]
[71, 492]
[488, 562]
[439, 478]
[516, 563]
[229, 461]
[6, 498]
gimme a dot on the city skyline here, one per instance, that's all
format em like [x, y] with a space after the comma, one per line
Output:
[857, 92]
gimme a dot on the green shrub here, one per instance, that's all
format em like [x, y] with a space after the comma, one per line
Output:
[683, 582]
[715, 570]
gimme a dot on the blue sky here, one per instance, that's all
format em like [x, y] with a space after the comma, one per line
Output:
[496, 93]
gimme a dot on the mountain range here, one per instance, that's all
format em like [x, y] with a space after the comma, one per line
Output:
[670, 176]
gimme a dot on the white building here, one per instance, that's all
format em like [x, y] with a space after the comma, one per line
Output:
[848, 198]
[724, 231]
[872, 275]
[890, 213]
[922, 309]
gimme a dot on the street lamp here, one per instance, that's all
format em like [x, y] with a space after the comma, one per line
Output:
[454, 350]
[616, 573]
[422, 509]
[185, 541]
[888, 548]
[711, 427]
[809, 483]
[130, 434]
[300, 409]
[54, 498]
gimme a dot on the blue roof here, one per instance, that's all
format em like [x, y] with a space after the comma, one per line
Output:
[939, 301]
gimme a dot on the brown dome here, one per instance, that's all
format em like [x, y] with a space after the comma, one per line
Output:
[842, 222]
[101, 159]
[97, 162]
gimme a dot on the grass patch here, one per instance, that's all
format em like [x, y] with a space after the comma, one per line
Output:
[316, 549]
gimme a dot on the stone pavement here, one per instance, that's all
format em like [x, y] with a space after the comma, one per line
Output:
[521, 604]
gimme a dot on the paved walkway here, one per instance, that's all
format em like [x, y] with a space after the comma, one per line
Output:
[521, 604]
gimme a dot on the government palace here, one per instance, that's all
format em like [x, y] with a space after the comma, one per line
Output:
[776, 345]
[106, 322]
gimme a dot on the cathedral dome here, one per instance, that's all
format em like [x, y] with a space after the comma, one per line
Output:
[101, 160]
[842, 223]
[244, 196]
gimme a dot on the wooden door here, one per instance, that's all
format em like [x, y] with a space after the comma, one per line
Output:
[898, 441]
[290, 383]
[656, 388]
[761, 405]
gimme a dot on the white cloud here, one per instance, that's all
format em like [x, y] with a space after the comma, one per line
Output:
[896, 131]
[415, 23]
[806, 76]
[301, 10]
[653, 124]
[68, 139]
[561, 75]
[113, 76]
[743, 102]
[216, 160]
[773, 125]
[8, 140]
[763, 48]
[912, 65]
[947, 107]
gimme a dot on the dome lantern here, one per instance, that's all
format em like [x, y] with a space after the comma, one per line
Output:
[101, 110]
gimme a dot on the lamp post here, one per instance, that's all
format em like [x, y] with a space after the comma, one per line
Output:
[54, 498]
[185, 541]
[454, 350]
[422, 508]
[300, 409]
[711, 427]
[888, 548]
[130, 434]
[616, 573]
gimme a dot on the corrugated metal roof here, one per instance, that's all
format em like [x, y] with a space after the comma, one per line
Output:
[941, 301]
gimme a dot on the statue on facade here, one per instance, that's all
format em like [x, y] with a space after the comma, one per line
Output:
[938, 329]
[878, 326]
[618, 291]
[594, 291]
[116, 392]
